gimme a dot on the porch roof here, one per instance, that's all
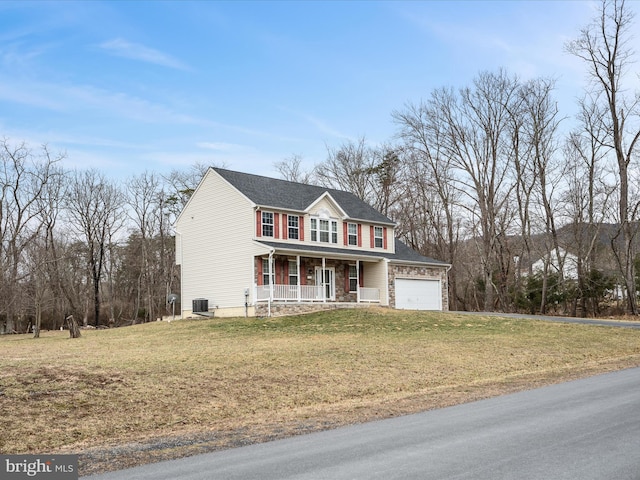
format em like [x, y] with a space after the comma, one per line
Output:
[403, 254]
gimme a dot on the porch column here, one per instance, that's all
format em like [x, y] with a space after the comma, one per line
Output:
[324, 287]
[299, 278]
[271, 279]
[357, 281]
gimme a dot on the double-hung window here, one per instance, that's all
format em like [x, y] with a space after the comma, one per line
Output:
[293, 273]
[266, 274]
[294, 227]
[353, 233]
[324, 231]
[378, 237]
[353, 278]
[267, 224]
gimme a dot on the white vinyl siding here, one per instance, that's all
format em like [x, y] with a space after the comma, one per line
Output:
[375, 276]
[216, 249]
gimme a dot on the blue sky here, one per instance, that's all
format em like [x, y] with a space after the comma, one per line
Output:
[132, 86]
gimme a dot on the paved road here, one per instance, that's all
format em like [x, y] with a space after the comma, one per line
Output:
[580, 430]
[586, 321]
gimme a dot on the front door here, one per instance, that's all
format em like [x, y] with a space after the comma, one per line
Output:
[326, 279]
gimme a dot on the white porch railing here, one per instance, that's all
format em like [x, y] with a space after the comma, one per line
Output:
[301, 293]
[307, 293]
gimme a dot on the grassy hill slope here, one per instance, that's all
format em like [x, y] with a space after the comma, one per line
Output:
[163, 390]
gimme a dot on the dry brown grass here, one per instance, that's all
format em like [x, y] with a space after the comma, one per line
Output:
[222, 382]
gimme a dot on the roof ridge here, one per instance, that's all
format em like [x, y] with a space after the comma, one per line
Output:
[296, 195]
[266, 177]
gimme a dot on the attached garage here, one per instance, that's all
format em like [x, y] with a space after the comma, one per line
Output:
[418, 294]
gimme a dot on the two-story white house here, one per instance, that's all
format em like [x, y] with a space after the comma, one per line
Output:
[258, 246]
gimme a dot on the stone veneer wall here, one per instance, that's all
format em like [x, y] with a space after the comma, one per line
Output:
[279, 309]
[425, 273]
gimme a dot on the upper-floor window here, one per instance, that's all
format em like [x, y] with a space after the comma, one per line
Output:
[378, 237]
[353, 234]
[267, 224]
[325, 231]
[293, 226]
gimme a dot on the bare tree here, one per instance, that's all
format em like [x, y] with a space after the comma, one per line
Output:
[42, 251]
[182, 184]
[586, 198]
[603, 46]
[95, 211]
[24, 176]
[371, 174]
[149, 213]
[291, 169]
[348, 167]
[539, 126]
[430, 212]
[475, 128]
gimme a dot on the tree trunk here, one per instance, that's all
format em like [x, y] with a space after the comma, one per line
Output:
[74, 329]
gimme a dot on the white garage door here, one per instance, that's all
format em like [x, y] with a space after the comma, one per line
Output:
[413, 294]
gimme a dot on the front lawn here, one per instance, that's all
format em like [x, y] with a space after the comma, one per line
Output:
[172, 389]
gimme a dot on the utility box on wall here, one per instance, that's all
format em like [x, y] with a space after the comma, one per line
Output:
[200, 305]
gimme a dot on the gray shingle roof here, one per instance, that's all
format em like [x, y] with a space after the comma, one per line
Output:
[276, 193]
[405, 253]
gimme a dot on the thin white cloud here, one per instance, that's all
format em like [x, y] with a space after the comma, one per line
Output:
[319, 124]
[75, 98]
[222, 146]
[135, 51]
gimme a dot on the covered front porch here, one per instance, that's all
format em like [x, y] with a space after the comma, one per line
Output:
[311, 293]
[298, 279]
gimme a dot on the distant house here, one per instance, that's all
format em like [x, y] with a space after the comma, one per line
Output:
[557, 261]
[258, 246]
